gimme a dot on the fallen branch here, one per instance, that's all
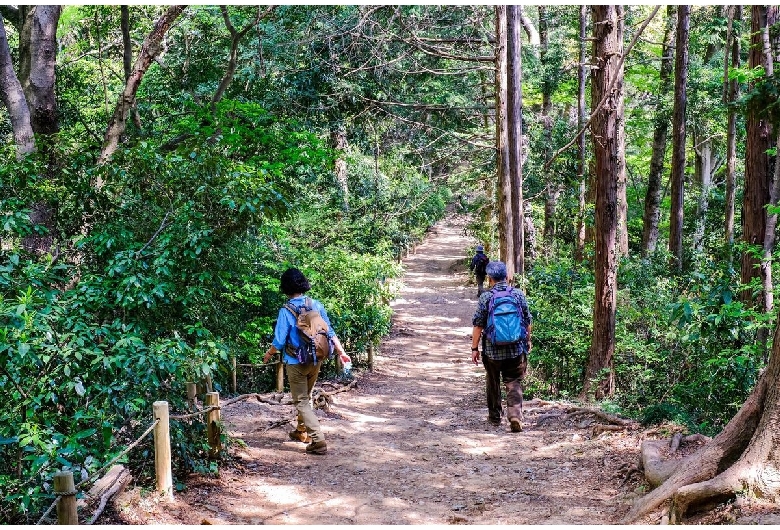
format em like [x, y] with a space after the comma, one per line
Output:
[279, 423]
[321, 399]
[600, 428]
[121, 482]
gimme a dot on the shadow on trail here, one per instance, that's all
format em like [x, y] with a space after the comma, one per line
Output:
[411, 444]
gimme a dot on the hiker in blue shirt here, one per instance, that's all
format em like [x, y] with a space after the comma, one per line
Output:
[508, 361]
[478, 264]
[301, 377]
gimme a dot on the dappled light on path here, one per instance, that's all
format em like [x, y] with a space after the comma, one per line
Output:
[411, 444]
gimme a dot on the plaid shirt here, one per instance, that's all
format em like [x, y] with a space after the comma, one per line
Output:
[499, 353]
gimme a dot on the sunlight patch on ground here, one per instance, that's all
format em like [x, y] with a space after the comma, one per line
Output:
[280, 494]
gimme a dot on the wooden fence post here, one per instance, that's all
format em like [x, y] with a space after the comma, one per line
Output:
[162, 449]
[370, 356]
[66, 505]
[212, 422]
[280, 376]
[192, 393]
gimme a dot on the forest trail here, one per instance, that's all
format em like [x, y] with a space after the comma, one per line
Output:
[411, 443]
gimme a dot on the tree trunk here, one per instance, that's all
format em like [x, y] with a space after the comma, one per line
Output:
[622, 184]
[13, 98]
[338, 138]
[551, 190]
[37, 60]
[652, 212]
[768, 246]
[757, 167]
[609, 154]
[151, 48]
[705, 155]
[127, 56]
[515, 136]
[732, 88]
[579, 250]
[678, 135]
[39, 81]
[505, 227]
[530, 30]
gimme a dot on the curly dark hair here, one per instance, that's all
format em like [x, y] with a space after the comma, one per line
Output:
[293, 282]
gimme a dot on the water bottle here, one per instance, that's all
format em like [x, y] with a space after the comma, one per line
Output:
[348, 367]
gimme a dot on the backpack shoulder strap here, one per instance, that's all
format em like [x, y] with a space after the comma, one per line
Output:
[292, 309]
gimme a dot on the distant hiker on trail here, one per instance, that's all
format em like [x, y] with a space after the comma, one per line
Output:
[503, 323]
[303, 364]
[478, 264]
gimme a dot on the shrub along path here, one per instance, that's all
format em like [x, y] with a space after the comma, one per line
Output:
[411, 444]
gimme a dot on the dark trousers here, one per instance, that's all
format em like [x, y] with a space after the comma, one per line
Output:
[512, 372]
[480, 284]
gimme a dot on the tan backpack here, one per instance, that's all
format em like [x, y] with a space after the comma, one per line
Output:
[313, 333]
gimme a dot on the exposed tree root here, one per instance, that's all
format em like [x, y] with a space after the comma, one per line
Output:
[714, 490]
[718, 469]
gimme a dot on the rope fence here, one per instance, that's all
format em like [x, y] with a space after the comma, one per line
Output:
[66, 490]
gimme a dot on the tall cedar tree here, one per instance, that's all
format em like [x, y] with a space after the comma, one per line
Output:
[609, 155]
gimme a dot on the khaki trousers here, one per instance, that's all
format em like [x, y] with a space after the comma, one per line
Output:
[301, 378]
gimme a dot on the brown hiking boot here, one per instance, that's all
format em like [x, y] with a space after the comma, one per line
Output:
[317, 448]
[515, 424]
[300, 436]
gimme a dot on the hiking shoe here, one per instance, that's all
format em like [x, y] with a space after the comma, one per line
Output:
[317, 448]
[494, 421]
[515, 425]
[300, 436]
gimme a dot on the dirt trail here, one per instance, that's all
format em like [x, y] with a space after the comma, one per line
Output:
[411, 444]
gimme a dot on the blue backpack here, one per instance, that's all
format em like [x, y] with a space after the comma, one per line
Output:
[505, 323]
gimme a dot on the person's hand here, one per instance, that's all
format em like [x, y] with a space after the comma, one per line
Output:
[267, 356]
[475, 356]
[344, 357]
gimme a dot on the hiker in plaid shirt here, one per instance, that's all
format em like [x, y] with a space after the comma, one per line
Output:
[506, 361]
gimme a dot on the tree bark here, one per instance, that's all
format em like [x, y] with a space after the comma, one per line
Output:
[127, 56]
[652, 213]
[732, 88]
[505, 226]
[678, 135]
[622, 184]
[552, 190]
[13, 98]
[757, 168]
[151, 48]
[609, 154]
[235, 40]
[705, 154]
[579, 250]
[515, 136]
[768, 246]
[39, 80]
[338, 138]
[530, 30]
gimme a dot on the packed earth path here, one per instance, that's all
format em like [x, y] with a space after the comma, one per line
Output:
[410, 443]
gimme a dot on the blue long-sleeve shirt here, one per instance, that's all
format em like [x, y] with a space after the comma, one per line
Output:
[287, 332]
